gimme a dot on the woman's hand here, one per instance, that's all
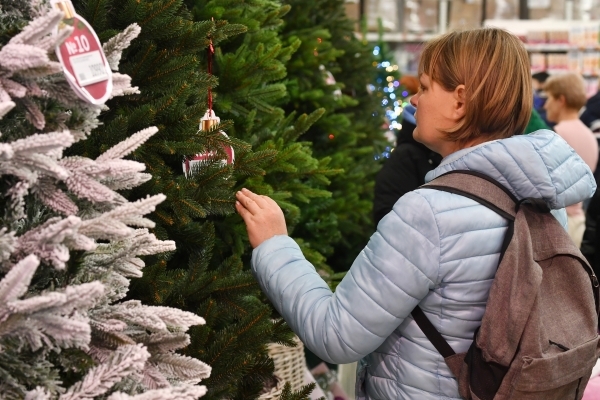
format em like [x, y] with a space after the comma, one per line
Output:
[263, 217]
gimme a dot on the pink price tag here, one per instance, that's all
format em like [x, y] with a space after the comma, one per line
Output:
[83, 59]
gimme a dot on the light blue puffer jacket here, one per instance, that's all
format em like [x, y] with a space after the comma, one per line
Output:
[435, 249]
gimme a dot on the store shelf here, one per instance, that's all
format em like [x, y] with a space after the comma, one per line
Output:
[398, 37]
[550, 47]
[556, 71]
[521, 27]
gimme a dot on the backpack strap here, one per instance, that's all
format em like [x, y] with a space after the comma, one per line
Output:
[434, 336]
[487, 192]
[479, 187]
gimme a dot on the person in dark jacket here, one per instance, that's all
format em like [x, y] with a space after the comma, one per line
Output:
[406, 168]
[591, 115]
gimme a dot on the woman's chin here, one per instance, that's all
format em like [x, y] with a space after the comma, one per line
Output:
[416, 134]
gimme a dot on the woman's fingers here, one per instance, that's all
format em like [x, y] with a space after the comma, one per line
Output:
[270, 202]
[244, 213]
[258, 199]
[249, 203]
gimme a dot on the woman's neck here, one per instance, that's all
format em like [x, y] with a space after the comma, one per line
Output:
[453, 147]
[567, 114]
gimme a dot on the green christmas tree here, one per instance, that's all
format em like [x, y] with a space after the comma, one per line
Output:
[208, 273]
[331, 70]
[251, 92]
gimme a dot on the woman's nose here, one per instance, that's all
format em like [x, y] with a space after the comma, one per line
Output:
[414, 100]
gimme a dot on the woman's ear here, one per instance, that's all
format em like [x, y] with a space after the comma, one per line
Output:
[562, 100]
[460, 99]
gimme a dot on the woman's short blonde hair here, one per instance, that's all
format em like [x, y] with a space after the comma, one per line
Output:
[571, 86]
[494, 67]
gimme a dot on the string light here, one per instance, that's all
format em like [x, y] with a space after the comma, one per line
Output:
[388, 89]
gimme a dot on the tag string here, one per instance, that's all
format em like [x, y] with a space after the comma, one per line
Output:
[211, 52]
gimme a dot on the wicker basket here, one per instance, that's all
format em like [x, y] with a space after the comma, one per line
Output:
[289, 367]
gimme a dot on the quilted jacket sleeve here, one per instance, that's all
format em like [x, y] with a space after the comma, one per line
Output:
[387, 280]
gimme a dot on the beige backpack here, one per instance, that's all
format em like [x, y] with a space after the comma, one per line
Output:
[539, 334]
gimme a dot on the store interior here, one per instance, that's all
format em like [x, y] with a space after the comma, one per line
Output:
[560, 35]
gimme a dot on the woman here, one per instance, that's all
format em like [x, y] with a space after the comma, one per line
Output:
[565, 97]
[435, 249]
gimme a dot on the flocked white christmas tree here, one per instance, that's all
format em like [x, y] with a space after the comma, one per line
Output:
[69, 242]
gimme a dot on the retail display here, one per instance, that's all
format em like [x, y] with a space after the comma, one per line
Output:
[384, 13]
[560, 46]
[575, 49]
[407, 16]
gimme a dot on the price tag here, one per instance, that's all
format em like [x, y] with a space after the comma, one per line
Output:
[82, 58]
[89, 68]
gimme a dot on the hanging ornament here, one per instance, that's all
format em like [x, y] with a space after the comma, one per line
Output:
[190, 164]
[82, 58]
[330, 80]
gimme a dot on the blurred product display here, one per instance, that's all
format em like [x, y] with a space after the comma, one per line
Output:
[558, 46]
[561, 35]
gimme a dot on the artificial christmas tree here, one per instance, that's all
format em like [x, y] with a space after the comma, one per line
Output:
[251, 69]
[208, 273]
[70, 242]
[350, 131]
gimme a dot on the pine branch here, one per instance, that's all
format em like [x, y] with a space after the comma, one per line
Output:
[16, 282]
[302, 394]
[183, 392]
[113, 49]
[122, 363]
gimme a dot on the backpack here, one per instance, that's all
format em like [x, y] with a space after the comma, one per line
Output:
[538, 338]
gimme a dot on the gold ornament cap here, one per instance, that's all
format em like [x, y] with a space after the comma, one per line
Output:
[66, 7]
[207, 124]
[209, 120]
